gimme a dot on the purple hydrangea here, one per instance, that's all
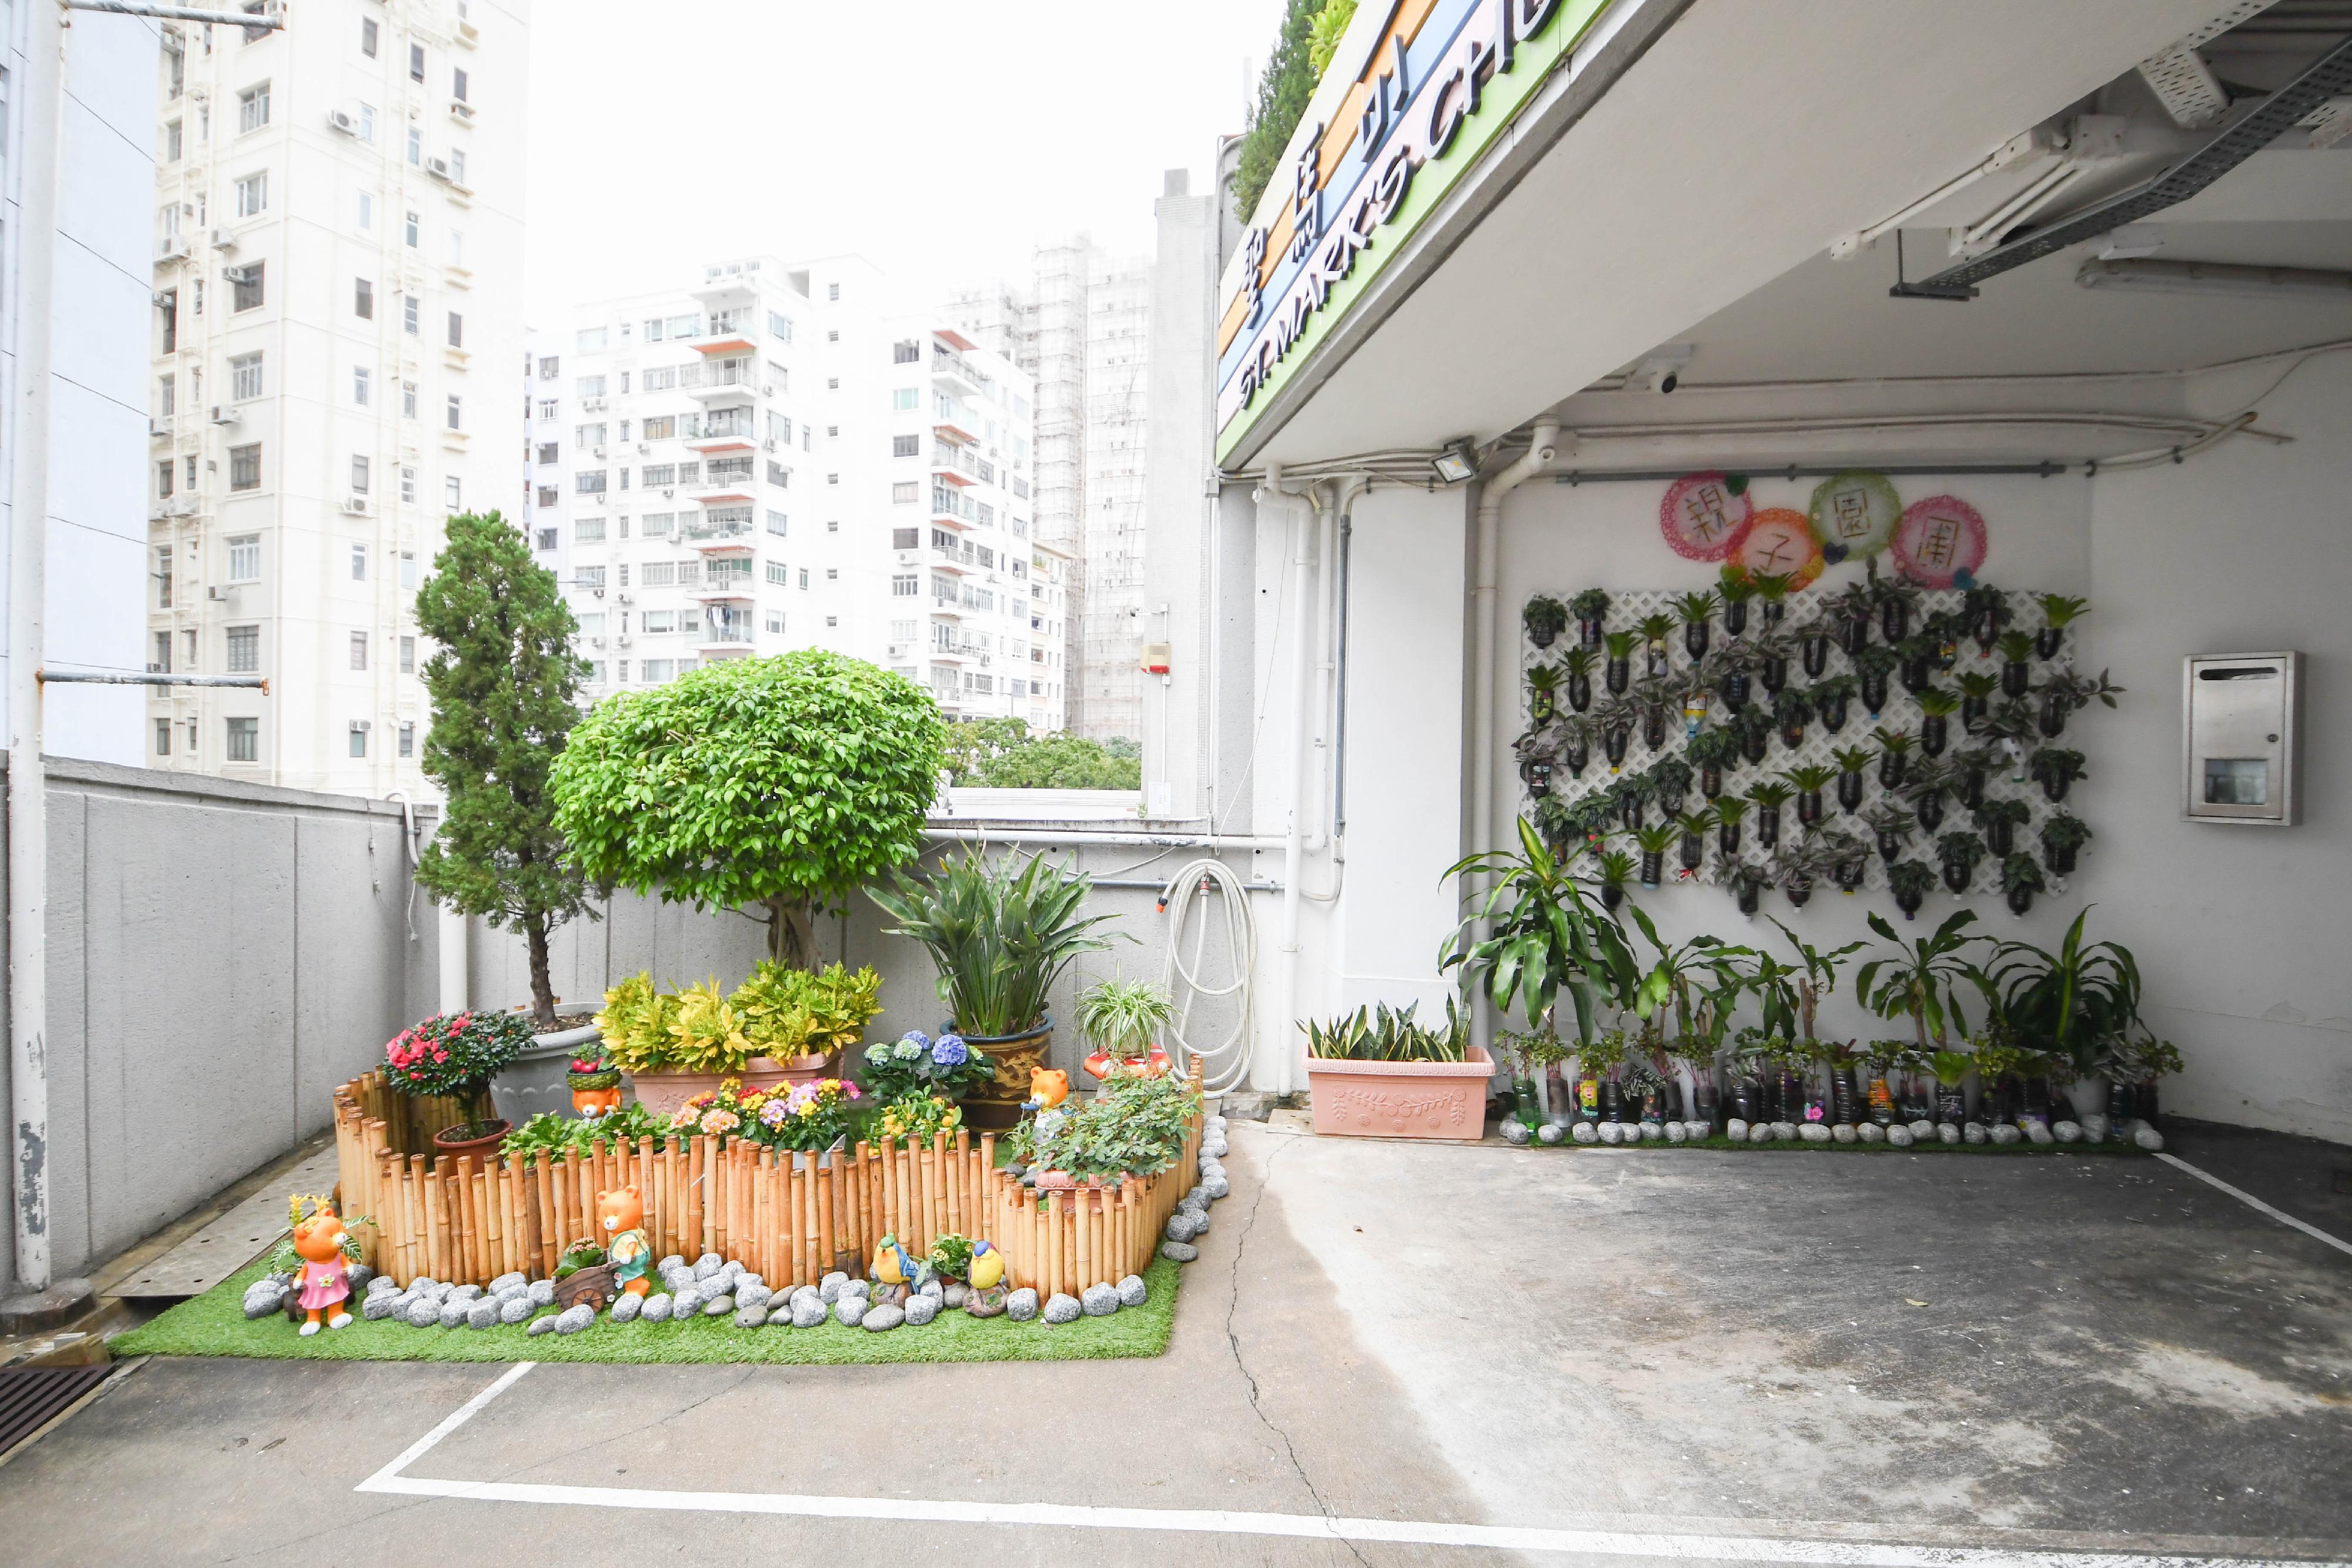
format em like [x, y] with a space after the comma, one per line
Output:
[918, 1037]
[950, 1052]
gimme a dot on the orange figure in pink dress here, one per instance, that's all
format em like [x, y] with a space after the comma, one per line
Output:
[322, 1285]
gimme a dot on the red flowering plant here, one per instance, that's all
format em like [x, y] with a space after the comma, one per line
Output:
[456, 1054]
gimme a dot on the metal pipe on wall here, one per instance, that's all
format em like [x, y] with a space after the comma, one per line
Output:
[1310, 518]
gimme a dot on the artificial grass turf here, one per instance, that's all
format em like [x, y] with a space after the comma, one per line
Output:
[214, 1324]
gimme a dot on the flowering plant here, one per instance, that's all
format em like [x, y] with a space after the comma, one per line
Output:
[807, 1117]
[920, 1116]
[456, 1054]
[915, 1063]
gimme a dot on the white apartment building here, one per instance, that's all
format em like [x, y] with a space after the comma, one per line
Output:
[778, 457]
[338, 282]
[1078, 326]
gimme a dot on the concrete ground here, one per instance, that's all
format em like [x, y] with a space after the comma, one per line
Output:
[1698, 1356]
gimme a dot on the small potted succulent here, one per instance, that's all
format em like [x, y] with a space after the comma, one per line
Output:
[2016, 663]
[1772, 593]
[1872, 667]
[1909, 880]
[1831, 697]
[1591, 608]
[445, 1065]
[1730, 811]
[1696, 610]
[1736, 590]
[1576, 666]
[1619, 670]
[1693, 826]
[1767, 798]
[2063, 692]
[1655, 843]
[1543, 686]
[2058, 613]
[1998, 822]
[1893, 826]
[1977, 689]
[1851, 761]
[1654, 629]
[1808, 782]
[1959, 853]
[1545, 618]
[1791, 711]
[1936, 707]
[1895, 599]
[1893, 756]
[2063, 838]
[1984, 610]
[1710, 751]
[2055, 769]
[2021, 879]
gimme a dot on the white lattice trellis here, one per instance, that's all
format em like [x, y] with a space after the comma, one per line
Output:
[1901, 711]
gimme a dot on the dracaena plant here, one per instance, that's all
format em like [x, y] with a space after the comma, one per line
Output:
[2075, 1003]
[1535, 937]
[1921, 981]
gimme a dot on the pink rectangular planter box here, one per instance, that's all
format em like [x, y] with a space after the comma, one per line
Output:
[1400, 1098]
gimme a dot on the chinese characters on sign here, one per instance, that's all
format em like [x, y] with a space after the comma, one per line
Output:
[1941, 542]
[1703, 516]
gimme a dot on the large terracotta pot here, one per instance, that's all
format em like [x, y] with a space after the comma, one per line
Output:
[1400, 1098]
[663, 1093]
[996, 1104]
[484, 1148]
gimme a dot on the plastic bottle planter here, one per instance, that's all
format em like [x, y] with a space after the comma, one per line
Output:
[1576, 751]
[1727, 833]
[1577, 677]
[1831, 706]
[2119, 1106]
[1881, 1102]
[1772, 671]
[1854, 633]
[1934, 721]
[2051, 720]
[1654, 865]
[1915, 1103]
[1653, 727]
[1768, 824]
[1747, 885]
[1970, 784]
[1710, 781]
[1919, 668]
[1545, 619]
[1872, 669]
[1816, 651]
[1611, 1102]
[1890, 845]
[1697, 636]
[1894, 616]
[1612, 742]
[2061, 840]
[1894, 760]
[1951, 1104]
[1851, 871]
[1613, 893]
[1985, 611]
[1910, 881]
[1845, 1097]
[1997, 819]
[1959, 854]
[1809, 803]
[2016, 669]
[1790, 1091]
[1736, 691]
[1975, 699]
[2056, 771]
[1535, 773]
[1588, 1098]
[1849, 792]
[1791, 717]
[1619, 669]
[1800, 888]
[1752, 737]
[1694, 848]
[1930, 806]
[1542, 705]
[1747, 1100]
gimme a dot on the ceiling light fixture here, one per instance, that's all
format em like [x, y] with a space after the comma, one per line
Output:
[1458, 461]
[2145, 275]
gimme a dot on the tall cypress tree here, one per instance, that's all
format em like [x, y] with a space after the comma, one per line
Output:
[1283, 91]
[502, 680]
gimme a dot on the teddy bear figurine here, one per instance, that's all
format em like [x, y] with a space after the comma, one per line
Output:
[323, 1284]
[621, 1215]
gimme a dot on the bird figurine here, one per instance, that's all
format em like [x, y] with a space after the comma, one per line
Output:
[987, 1266]
[891, 1264]
[1048, 1087]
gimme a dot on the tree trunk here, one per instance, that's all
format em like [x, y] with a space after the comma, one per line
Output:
[791, 934]
[542, 993]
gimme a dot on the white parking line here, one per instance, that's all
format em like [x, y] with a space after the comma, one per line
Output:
[2251, 1201]
[1655, 1544]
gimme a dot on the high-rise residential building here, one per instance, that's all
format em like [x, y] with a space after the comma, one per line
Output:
[338, 284]
[777, 455]
[1077, 326]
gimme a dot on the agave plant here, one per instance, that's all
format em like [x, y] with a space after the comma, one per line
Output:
[1809, 781]
[2016, 663]
[1767, 798]
[1619, 670]
[1893, 756]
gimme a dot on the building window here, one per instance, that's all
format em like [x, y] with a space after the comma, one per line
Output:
[804, 576]
[359, 649]
[363, 298]
[163, 577]
[906, 352]
[163, 480]
[453, 491]
[905, 538]
[775, 621]
[169, 307]
[407, 473]
[247, 293]
[362, 384]
[590, 531]
[588, 386]
[906, 492]
[780, 325]
[408, 568]
[245, 467]
[359, 480]
[590, 576]
[905, 445]
[660, 428]
[547, 538]
[359, 564]
[456, 256]
[548, 451]
[367, 134]
[456, 412]
[253, 194]
[408, 740]
[162, 738]
[408, 655]
[171, 142]
[590, 340]
[777, 524]
[245, 378]
[588, 482]
[415, 231]
[777, 574]
[457, 330]
[412, 316]
[832, 291]
[416, 62]
[548, 495]
[245, 558]
[548, 366]
[243, 740]
[244, 650]
[253, 107]
[359, 737]
[252, 35]
[367, 37]
[905, 399]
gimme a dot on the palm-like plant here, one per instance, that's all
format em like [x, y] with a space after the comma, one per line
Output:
[1851, 760]
[1893, 756]
[1620, 667]
[1936, 707]
[1814, 976]
[1655, 630]
[1767, 798]
[2077, 1003]
[1809, 781]
[1655, 840]
[1921, 980]
[1696, 609]
[1000, 937]
[1535, 937]
[2058, 613]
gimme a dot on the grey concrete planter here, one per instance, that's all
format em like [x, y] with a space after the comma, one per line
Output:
[535, 1081]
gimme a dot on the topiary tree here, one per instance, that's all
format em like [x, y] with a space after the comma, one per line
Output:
[784, 782]
[502, 684]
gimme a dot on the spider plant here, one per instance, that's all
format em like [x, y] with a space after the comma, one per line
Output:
[1851, 760]
[1535, 937]
[2058, 613]
[1809, 781]
[1122, 1017]
[1544, 619]
[1936, 707]
[1696, 609]
[1000, 935]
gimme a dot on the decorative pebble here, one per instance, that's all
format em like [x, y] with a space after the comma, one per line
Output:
[453, 1312]
[828, 1290]
[2149, 1138]
[1179, 1226]
[1948, 1132]
[849, 1309]
[627, 1307]
[675, 1261]
[515, 1309]
[2039, 1132]
[264, 1297]
[1652, 1133]
[808, 1312]
[423, 1312]
[1698, 1132]
[855, 1288]
[1514, 1131]
[383, 1304]
[2095, 1128]
[359, 1277]
[1062, 1309]
[467, 1293]
[1735, 1129]
[1899, 1136]
[920, 1310]
[573, 1318]
[1760, 1133]
[1217, 1187]
[515, 1293]
[658, 1307]
[2067, 1132]
[516, 1277]
[1814, 1133]
[1845, 1133]
[881, 1319]
[749, 1295]
[750, 1317]
[381, 1284]
[1178, 1252]
[540, 1326]
[956, 1294]
[1973, 1133]
[1583, 1133]
[422, 1283]
[2005, 1134]
[1550, 1134]
[707, 1265]
[718, 1306]
[542, 1292]
[1613, 1133]
[1922, 1129]
[1870, 1132]
[1133, 1292]
[748, 1278]
[1100, 1301]
[483, 1315]
[1021, 1305]
[1784, 1131]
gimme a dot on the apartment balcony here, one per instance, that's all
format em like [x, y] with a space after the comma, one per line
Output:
[723, 441]
[946, 609]
[946, 429]
[708, 534]
[952, 508]
[728, 490]
[951, 374]
[732, 341]
[733, 588]
[710, 383]
[957, 561]
[954, 467]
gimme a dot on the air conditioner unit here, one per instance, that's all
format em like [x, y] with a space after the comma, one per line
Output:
[770, 443]
[597, 591]
[172, 247]
[645, 446]
[182, 507]
[241, 273]
[438, 168]
[593, 404]
[342, 121]
[623, 598]
[462, 110]
[222, 239]
[599, 452]
[598, 642]
[224, 415]
[622, 641]
[670, 493]
[217, 593]
[158, 427]
[357, 506]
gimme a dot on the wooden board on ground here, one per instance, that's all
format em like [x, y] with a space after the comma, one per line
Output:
[228, 1243]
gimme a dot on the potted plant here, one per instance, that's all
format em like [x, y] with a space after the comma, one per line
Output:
[1619, 670]
[1977, 690]
[1543, 682]
[2072, 1004]
[1984, 610]
[1123, 1019]
[915, 1063]
[1792, 710]
[1872, 667]
[814, 1118]
[2021, 879]
[2058, 613]
[1851, 760]
[1634, 792]
[1384, 1074]
[1970, 768]
[1921, 981]
[1591, 608]
[2063, 692]
[1654, 631]
[2055, 769]
[1847, 857]
[1616, 865]
[1729, 811]
[1772, 593]
[1693, 826]
[1736, 590]
[919, 1118]
[1767, 798]
[445, 1065]
[1770, 651]
[1653, 697]
[1831, 697]
[1893, 756]
[1545, 618]
[1910, 881]
[1000, 938]
[1893, 826]
[801, 1023]
[1535, 938]
[1710, 751]
[1615, 718]
[1755, 731]
[1535, 762]
[1919, 655]
[1747, 883]
[1895, 599]
[1936, 709]
[1848, 614]
[2016, 663]
[2063, 838]
[1925, 789]
[1696, 610]
[1998, 822]
[1575, 744]
[1655, 843]
[1795, 872]
[1670, 780]
[1576, 666]
[1808, 782]
[674, 1046]
[1959, 853]
[1726, 672]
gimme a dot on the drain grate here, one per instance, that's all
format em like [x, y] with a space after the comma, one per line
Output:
[31, 1397]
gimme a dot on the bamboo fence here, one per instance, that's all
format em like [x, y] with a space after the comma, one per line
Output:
[790, 1220]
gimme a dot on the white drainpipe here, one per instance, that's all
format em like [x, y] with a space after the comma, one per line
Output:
[1486, 612]
[1328, 588]
[1302, 668]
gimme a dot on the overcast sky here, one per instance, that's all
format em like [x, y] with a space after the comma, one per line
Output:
[940, 137]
